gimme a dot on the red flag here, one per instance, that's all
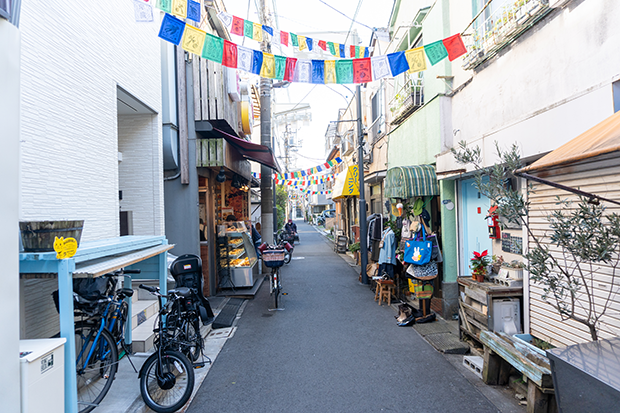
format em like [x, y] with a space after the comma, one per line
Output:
[237, 26]
[230, 55]
[352, 51]
[289, 70]
[284, 38]
[323, 44]
[455, 47]
[361, 70]
[327, 165]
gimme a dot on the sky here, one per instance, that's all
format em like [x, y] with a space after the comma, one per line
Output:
[316, 19]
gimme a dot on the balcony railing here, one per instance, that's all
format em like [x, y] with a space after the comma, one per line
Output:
[407, 100]
[498, 25]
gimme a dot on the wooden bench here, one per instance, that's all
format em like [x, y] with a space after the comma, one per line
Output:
[384, 291]
[502, 351]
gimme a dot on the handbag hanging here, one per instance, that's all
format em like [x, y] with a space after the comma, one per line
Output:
[418, 252]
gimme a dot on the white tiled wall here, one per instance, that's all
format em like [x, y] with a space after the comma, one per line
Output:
[74, 55]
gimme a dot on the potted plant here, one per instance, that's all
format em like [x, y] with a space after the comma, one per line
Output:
[479, 265]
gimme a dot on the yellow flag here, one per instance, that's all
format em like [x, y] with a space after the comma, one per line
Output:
[337, 49]
[302, 43]
[416, 59]
[257, 33]
[193, 39]
[268, 69]
[330, 71]
[179, 8]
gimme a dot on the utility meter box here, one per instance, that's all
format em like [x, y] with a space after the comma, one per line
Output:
[42, 375]
[507, 315]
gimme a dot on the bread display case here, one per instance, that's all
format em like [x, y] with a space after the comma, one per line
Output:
[237, 259]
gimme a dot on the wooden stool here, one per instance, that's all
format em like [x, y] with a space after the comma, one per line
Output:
[384, 291]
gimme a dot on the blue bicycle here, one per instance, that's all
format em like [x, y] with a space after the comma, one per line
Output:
[99, 334]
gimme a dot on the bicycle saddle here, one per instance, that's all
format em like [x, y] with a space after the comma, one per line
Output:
[181, 291]
[124, 292]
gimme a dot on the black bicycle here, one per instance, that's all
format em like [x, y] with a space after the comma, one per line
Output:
[167, 376]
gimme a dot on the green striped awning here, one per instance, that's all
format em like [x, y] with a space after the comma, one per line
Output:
[411, 181]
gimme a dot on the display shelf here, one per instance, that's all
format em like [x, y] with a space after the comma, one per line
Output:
[232, 276]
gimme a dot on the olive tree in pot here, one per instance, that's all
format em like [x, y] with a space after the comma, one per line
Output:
[584, 235]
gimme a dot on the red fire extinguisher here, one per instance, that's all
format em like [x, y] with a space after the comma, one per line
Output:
[492, 223]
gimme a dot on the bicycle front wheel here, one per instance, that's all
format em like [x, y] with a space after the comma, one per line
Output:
[194, 338]
[95, 375]
[166, 387]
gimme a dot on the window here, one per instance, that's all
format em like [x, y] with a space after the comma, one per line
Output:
[378, 113]
[616, 93]
[5, 9]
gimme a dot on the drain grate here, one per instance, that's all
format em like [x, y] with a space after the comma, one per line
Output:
[447, 343]
[227, 316]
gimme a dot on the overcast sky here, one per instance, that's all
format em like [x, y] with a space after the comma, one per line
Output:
[319, 21]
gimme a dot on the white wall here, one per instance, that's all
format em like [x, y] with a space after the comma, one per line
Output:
[549, 86]
[9, 208]
[74, 56]
[140, 162]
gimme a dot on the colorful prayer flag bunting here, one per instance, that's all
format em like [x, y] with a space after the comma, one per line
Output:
[415, 59]
[179, 8]
[237, 26]
[361, 70]
[171, 29]
[229, 58]
[193, 40]
[193, 10]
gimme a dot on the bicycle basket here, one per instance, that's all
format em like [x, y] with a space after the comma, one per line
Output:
[273, 258]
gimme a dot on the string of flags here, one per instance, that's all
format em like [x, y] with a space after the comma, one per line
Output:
[267, 65]
[256, 31]
[307, 172]
[290, 182]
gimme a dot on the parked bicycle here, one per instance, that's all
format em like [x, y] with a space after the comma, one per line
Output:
[167, 376]
[274, 257]
[281, 237]
[99, 334]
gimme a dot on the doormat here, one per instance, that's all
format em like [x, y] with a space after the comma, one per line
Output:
[227, 316]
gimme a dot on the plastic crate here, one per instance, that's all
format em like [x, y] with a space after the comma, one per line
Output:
[273, 258]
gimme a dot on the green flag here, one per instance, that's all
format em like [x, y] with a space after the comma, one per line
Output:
[165, 5]
[344, 71]
[294, 41]
[435, 52]
[280, 67]
[213, 48]
[332, 49]
[248, 29]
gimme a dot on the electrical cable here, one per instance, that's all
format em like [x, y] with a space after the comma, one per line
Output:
[357, 10]
[361, 24]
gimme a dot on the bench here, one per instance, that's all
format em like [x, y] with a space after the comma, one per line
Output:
[502, 351]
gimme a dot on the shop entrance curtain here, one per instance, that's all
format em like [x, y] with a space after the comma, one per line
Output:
[411, 181]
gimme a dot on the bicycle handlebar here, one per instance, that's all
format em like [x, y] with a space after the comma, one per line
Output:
[149, 288]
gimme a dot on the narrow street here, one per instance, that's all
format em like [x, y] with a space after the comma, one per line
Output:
[332, 349]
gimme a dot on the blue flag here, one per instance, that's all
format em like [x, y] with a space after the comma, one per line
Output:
[193, 10]
[366, 52]
[268, 30]
[398, 63]
[258, 62]
[318, 71]
[171, 29]
[341, 50]
[309, 43]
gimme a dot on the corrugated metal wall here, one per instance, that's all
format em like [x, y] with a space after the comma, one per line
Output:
[601, 178]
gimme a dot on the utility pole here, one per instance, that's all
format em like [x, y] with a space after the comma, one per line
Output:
[268, 209]
[360, 167]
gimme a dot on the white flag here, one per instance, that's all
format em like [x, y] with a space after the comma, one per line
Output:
[380, 67]
[245, 57]
[303, 71]
[143, 12]
[226, 18]
[275, 39]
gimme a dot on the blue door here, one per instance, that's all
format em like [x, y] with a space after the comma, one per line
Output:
[475, 234]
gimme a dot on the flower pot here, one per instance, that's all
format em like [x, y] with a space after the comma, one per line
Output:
[39, 236]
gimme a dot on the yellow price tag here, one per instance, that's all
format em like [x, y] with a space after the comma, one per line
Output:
[65, 248]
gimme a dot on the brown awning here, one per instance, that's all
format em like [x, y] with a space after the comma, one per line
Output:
[252, 151]
[602, 139]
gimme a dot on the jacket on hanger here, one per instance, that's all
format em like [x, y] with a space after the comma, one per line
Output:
[387, 255]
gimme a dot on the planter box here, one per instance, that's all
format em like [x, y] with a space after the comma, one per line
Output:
[586, 377]
[38, 236]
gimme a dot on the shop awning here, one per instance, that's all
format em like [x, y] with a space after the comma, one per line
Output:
[347, 183]
[602, 139]
[411, 181]
[249, 150]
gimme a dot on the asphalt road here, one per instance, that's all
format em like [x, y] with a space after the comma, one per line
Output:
[332, 349]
